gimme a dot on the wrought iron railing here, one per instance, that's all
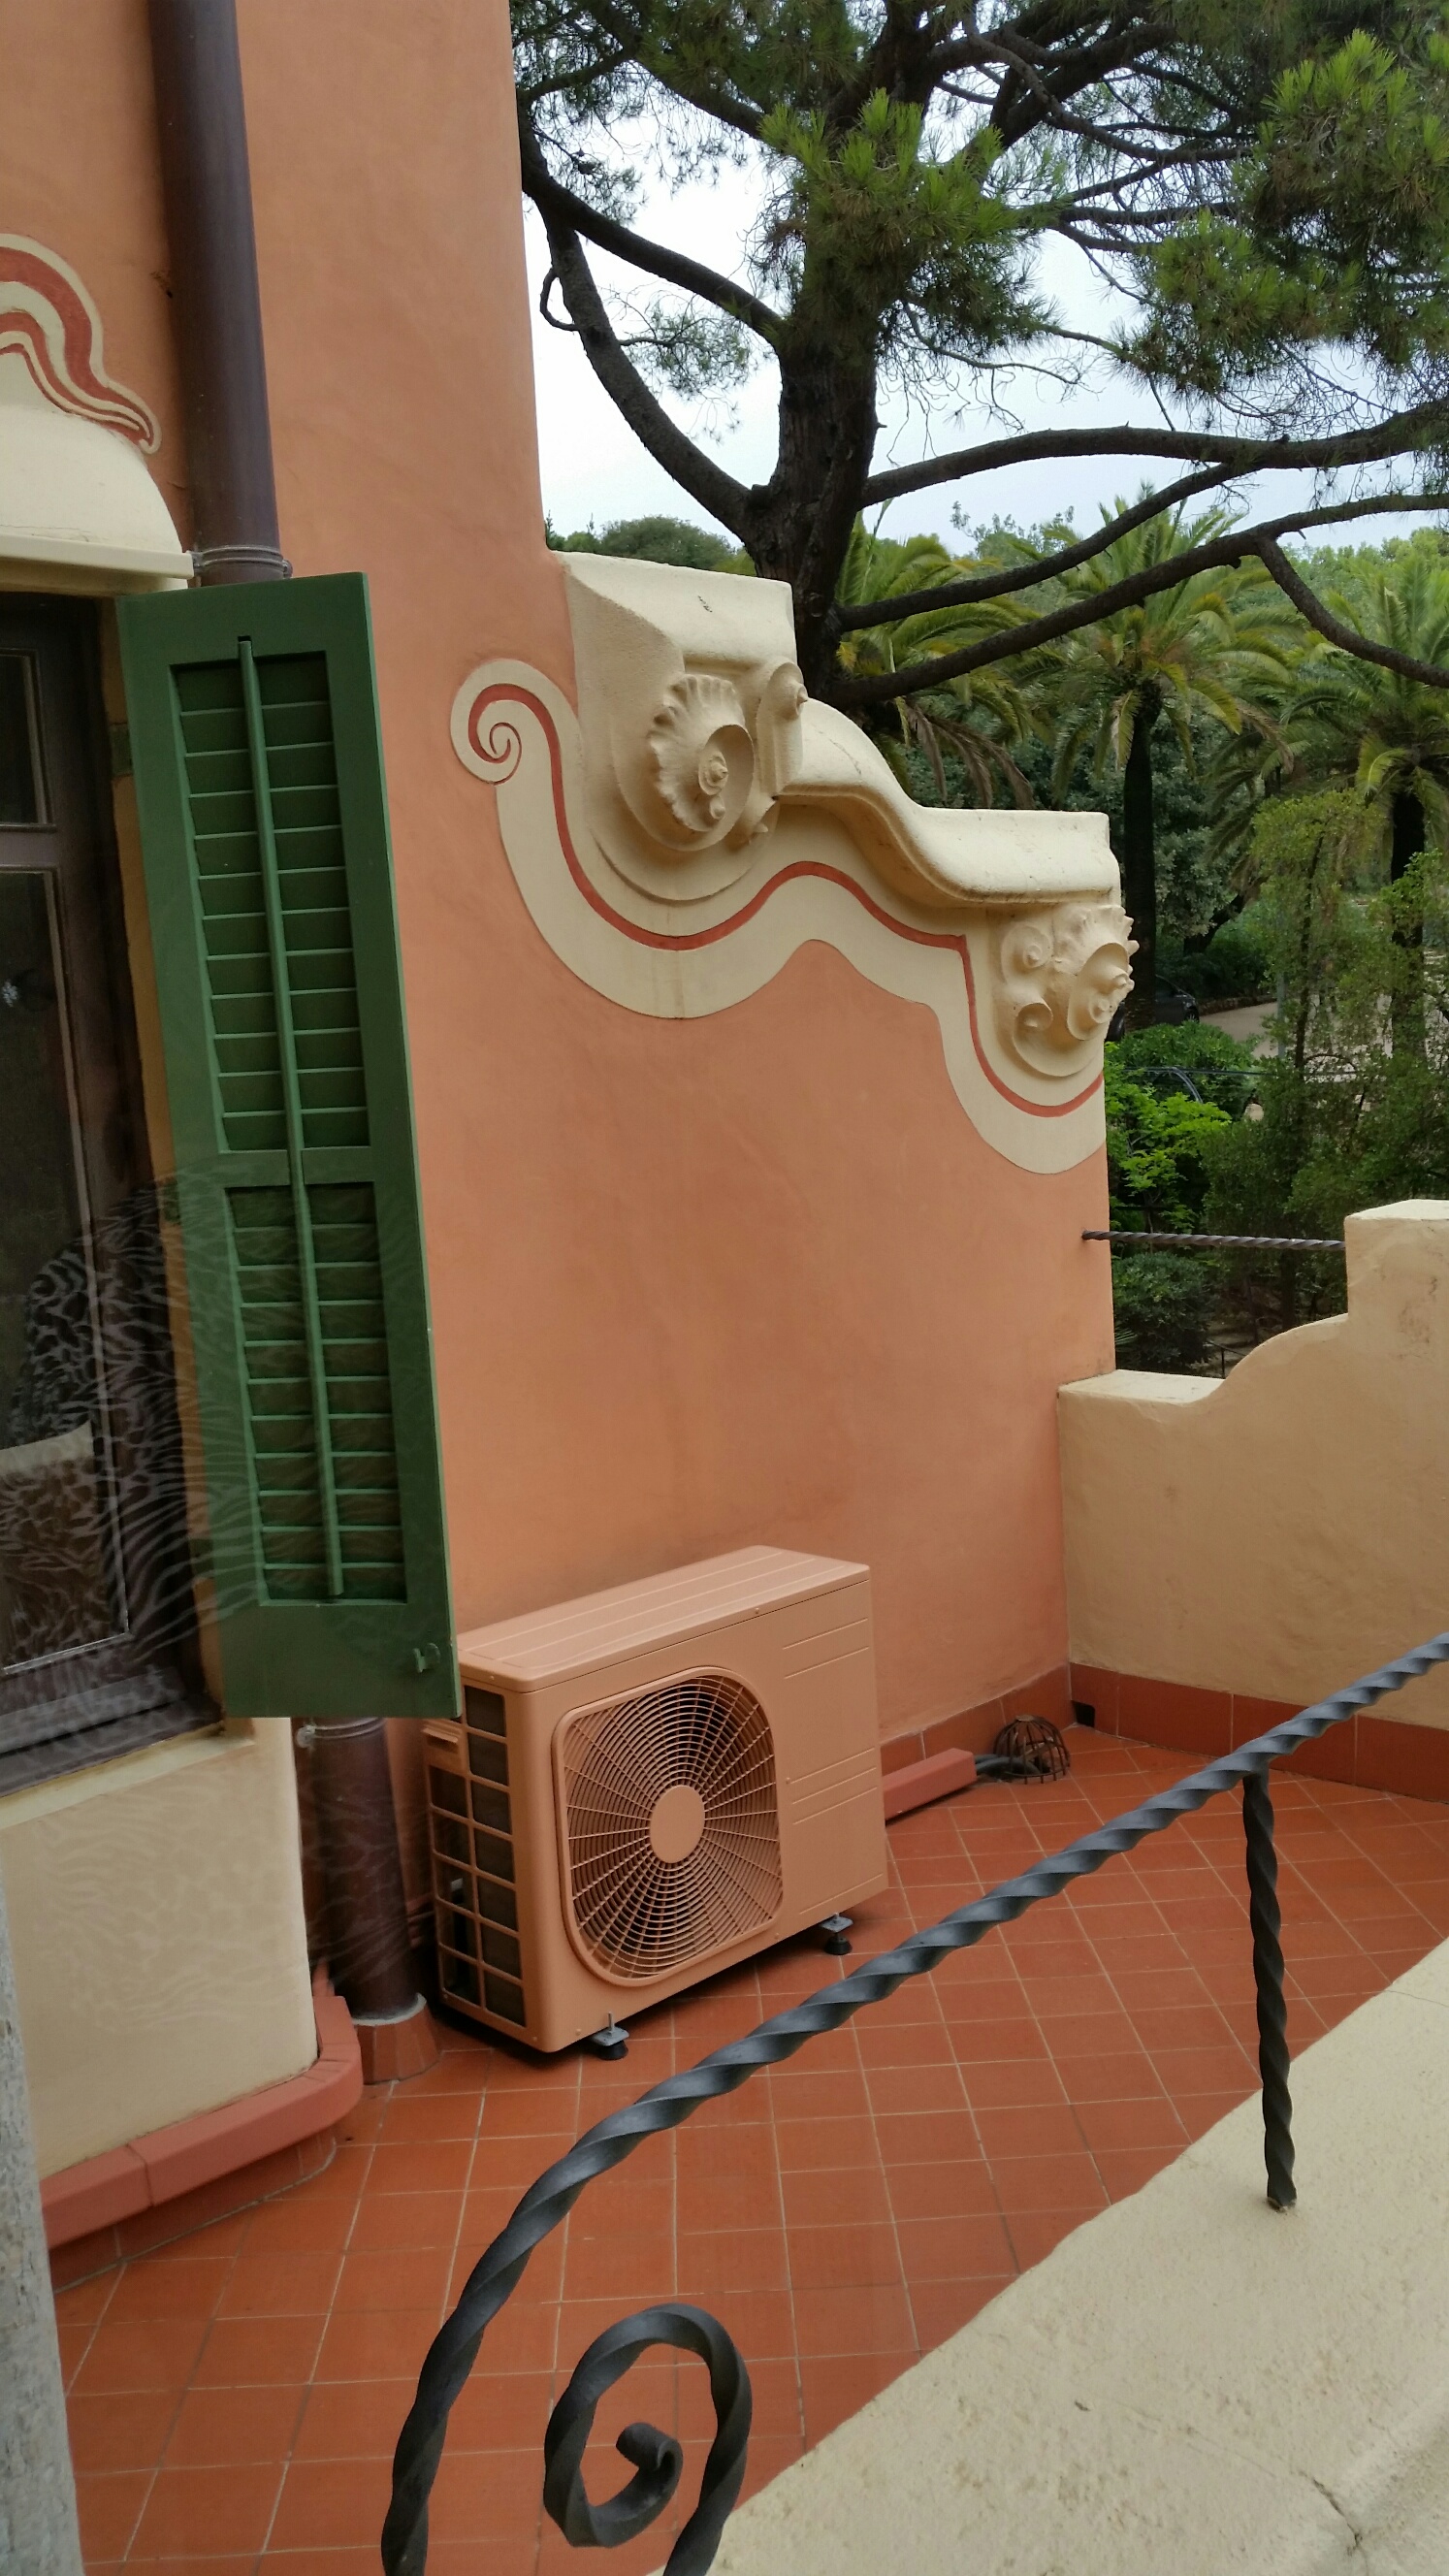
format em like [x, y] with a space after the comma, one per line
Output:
[656, 2457]
[1148, 1239]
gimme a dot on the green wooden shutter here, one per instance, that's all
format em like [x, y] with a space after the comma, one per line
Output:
[263, 814]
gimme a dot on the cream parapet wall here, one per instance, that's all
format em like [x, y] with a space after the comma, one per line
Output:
[701, 818]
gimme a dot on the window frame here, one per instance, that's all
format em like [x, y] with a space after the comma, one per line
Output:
[66, 1710]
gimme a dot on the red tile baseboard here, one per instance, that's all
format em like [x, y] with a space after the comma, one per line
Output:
[198, 2170]
[975, 1730]
[1365, 1752]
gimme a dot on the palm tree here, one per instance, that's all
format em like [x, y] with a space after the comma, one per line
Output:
[1218, 647]
[1392, 736]
[976, 718]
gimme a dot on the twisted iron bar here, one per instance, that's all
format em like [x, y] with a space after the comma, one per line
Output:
[1144, 1239]
[1266, 1922]
[548, 2201]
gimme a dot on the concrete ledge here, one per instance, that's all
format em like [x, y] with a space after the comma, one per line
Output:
[1189, 2384]
[171, 2163]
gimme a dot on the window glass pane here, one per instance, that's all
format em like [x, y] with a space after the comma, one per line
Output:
[19, 782]
[57, 1567]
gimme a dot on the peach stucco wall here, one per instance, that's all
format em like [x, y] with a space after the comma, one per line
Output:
[695, 1284]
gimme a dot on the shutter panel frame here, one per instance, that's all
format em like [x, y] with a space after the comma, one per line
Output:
[261, 798]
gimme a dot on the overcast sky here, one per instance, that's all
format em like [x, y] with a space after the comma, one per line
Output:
[595, 470]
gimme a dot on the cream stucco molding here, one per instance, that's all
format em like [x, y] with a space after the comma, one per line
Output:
[78, 508]
[701, 818]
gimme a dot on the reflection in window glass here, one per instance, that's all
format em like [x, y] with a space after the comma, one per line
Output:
[19, 781]
[55, 1591]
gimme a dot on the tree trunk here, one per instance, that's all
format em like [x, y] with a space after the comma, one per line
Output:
[1406, 1009]
[1139, 868]
[803, 518]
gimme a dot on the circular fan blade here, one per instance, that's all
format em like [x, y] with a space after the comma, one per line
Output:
[636, 1915]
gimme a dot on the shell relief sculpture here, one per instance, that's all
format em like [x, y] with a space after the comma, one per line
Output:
[701, 817]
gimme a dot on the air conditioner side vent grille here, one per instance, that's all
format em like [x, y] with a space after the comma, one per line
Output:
[479, 1961]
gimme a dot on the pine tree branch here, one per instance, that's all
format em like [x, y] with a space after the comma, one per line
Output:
[1404, 432]
[999, 585]
[559, 204]
[1221, 553]
[706, 483]
[1434, 675]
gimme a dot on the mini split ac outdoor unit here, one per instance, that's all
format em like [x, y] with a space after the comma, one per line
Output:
[651, 1783]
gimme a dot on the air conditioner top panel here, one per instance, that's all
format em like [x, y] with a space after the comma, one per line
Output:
[575, 1637]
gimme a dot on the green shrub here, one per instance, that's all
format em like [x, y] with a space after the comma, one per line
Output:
[1162, 1306]
[1158, 1149]
[1224, 1069]
[1235, 966]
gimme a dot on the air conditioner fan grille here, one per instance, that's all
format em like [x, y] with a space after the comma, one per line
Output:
[688, 1762]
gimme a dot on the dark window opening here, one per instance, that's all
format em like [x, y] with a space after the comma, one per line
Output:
[97, 1629]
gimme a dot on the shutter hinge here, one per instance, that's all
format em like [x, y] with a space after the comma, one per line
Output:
[203, 1555]
[425, 1659]
[121, 763]
[168, 1201]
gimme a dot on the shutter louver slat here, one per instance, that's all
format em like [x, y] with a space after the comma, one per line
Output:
[265, 832]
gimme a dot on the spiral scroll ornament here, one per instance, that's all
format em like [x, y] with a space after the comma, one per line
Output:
[655, 2457]
[699, 763]
[1063, 974]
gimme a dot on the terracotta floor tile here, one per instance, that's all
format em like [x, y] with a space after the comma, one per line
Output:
[297, 2223]
[244, 2352]
[941, 2308]
[118, 2431]
[837, 2214]
[384, 2343]
[361, 2419]
[837, 2199]
[862, 2256]
[942, 2191]
[218, 2427]
[833, 2390]
[501, 2414]
[1193, 2026]
[798, 2093]
[1136, 2124]
[962, 2247]
[149, 2290]
[623, 2204]
[994, 2043]
[1200, 2112]
[150, 2353]
[413, 2120]
[440, 2166]
[841, 2320]
[109, 2507]
[1035, 2233]
[1027, 2183]
[749, 2258]
[192, 2512]
[1040, 2130]
[1125, 2171]
[280, 2285]
[910, 2137]
[331, 2503]
[813, 2146]
[925, 2088]
[913, 2043]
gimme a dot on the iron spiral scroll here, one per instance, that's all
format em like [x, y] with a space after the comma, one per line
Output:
[655, 2456]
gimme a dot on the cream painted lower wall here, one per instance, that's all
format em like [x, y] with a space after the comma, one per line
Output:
[1282, 1533]
[160, 1950]
[1190, 2385]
